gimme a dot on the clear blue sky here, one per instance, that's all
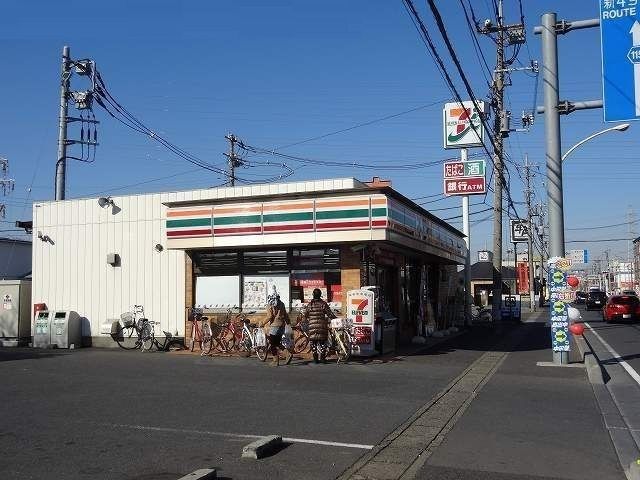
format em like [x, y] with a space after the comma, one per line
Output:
[280, 72]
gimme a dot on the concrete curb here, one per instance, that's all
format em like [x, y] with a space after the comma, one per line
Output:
[594, 370]
[201, 474]
[262, 447]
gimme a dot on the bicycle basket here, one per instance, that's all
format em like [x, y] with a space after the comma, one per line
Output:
[339, 322]
[127, 319]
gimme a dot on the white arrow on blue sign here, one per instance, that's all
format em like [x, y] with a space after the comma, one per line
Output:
[620, 42]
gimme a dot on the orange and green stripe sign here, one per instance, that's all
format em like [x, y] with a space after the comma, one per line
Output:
[343, 213]
[287, 217]
[189, 222]
[237, 219]
[379, 211]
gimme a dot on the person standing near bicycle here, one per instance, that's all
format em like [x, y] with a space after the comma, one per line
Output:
[318, 313]
[277, 319]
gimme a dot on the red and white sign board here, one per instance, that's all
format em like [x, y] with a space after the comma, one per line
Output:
[360, 307]
[464, 186]
[360, 310]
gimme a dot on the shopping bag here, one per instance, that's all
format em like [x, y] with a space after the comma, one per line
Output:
[261, 339]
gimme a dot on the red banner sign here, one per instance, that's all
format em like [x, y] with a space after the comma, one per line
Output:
[467, 186]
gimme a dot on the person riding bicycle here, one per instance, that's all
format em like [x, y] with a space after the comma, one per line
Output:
[317, 312]
[277, 318]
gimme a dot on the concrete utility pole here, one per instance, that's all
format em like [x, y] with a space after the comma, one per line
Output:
[528, 194]
[233, 159]
[467, 261]
[505, 35]
[61, 162]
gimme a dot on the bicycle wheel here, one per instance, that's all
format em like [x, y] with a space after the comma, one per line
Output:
[147, 337]
[301, 344]
[230, 338]
[262, 352]
[196, 336]
[124, 339]
[207, 338]
[343, 350]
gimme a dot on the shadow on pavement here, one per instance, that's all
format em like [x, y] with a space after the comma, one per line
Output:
[14, 354]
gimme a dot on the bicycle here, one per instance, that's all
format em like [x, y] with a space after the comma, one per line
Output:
[301, 344]
[122, 331]
[481, 314]
[200, 331]
[285, 344]
[340, 339]
[149, 339]
[234, 334]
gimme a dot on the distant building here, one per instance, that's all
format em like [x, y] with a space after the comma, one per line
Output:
[15, 259]
[482, 281]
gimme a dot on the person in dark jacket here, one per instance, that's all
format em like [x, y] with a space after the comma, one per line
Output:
[277, 318]
[318, 313]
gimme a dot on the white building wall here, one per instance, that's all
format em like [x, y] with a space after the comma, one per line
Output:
[70, 269]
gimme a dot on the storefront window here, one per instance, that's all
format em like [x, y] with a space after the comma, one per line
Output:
[218, 291]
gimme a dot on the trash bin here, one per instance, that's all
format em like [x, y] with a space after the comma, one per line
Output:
[42, 330]
[386, 325]
[66, 330]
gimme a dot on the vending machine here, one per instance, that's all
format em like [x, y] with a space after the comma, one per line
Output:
[361, 313]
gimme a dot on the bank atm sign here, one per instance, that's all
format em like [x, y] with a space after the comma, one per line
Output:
[360, 303]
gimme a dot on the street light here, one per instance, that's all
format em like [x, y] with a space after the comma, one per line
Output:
[618, 128]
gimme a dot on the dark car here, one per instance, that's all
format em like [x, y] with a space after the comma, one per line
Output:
[596, 299]
[581, 297]
[622, 308]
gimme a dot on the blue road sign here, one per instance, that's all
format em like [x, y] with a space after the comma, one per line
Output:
[620, 43]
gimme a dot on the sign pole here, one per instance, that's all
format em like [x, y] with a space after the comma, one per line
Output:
[467, 238]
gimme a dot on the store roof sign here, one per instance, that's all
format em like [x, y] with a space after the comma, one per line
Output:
[463, 124]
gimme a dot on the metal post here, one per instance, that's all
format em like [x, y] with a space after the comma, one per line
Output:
[467, 238]
[553, 141]
[552, 135]
[61, 162]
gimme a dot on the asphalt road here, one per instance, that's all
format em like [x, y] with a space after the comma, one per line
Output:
[113, 414]
[624, 338]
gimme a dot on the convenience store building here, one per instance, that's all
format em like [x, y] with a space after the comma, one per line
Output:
[226, 247]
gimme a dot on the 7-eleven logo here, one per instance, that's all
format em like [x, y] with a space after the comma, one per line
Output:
[358, 306]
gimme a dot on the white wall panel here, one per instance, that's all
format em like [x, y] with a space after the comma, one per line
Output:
[72, 272]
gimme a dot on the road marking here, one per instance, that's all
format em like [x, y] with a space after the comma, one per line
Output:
[616, 355]
[238, 435]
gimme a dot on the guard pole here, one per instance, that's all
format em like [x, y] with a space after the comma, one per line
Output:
[467, 239]
[553, 142]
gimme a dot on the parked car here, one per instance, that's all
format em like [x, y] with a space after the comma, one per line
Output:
[581, 297]
[596, 299]
[629, 292]
[622, 308]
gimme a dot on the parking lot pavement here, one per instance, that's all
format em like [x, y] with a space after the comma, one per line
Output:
[111, 414]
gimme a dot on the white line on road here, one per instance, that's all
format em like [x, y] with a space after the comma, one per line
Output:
[616, 356]
[238, 435]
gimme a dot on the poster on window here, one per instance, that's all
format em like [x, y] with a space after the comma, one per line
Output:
[254, 292]
[256, 289]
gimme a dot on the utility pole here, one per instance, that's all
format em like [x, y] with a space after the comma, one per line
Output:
[505, 35]
[233, 160]
[528, 194]
[6, 184]
[61, 163]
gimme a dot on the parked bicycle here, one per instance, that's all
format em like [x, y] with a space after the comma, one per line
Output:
[149, 339]
[340, 339]
[235, 331]
[201, 332]
[135, 331]
[128, 332]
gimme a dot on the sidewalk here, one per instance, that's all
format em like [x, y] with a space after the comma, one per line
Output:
[505, 418]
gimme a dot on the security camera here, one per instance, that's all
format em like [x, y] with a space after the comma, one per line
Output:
[105, 201]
